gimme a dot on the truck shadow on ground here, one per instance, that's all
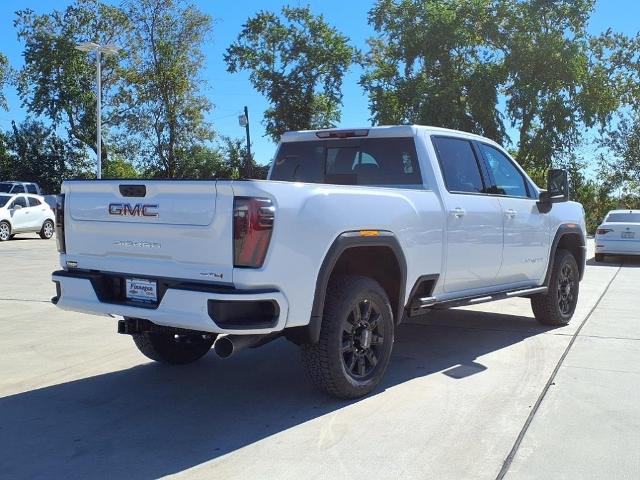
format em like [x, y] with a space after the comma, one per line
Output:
[148, 421]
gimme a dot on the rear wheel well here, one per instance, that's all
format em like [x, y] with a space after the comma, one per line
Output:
[378, 257]
[376, 262]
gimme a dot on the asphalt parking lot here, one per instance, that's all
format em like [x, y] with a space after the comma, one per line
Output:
[470, 393]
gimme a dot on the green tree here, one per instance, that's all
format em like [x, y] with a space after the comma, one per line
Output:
[433, 63]
[166, 113]
[298, 62]
[621, 138]
[559, 84]
[36, 153]
[58, 82]
[451, 62]
[5, 72]
[118, 167]
[234, 152]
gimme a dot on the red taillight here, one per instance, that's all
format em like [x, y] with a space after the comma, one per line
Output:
[603, 231]
[59, 213]
[252, 226]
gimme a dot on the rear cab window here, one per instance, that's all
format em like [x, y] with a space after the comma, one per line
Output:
[382, 161]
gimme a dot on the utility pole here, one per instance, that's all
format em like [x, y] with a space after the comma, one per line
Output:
[98, 116]
[245, 121]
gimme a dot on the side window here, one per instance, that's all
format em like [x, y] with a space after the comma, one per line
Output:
[18, 189]
[19, 201]
[459, 165]
[509, 181]
[31, 188]
[34, 202]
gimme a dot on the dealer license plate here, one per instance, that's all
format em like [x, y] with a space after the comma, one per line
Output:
[142, 290]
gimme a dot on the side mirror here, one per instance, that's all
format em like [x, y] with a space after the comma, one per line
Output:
[557, 187]
[17, 207]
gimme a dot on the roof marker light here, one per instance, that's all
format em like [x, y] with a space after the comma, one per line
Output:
[363, 132]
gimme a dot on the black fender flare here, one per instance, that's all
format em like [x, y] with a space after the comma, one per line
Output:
[564, 230]
[343, 242]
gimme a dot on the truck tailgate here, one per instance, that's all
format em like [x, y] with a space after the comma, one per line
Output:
[179, 229]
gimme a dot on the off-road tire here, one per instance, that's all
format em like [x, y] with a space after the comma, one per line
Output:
[5, 231]
[46, 232]
[167, 348]
[599, 257]
[556, 307]
[328, 363]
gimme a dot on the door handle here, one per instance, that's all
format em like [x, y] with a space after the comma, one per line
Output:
[511, 213]
[458, 212]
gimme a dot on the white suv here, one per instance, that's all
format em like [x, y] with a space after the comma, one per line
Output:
[25, 213]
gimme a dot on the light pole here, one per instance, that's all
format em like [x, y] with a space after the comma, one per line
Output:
[107, 50]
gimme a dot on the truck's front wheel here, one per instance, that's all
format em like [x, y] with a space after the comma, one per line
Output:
[356, 339]
[173, 349]
[556, 307]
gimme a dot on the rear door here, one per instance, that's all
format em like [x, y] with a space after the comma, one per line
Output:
[473, 241]
[37, 212]
[526, 232]
[176, 229]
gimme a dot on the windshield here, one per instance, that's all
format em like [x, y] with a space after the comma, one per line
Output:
[625, 217]
[4, 199]
[5, 187]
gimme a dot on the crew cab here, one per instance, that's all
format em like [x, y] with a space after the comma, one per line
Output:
[354, 231]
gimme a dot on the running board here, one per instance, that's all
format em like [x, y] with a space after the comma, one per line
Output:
[475, 300]
[422, 305]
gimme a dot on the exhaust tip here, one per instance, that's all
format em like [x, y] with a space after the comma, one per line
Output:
[223, 347]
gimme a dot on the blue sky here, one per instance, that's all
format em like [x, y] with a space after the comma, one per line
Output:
[230, 92]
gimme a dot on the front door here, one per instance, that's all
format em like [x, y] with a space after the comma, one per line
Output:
[526, 232]
[20, 213]
[474, 225]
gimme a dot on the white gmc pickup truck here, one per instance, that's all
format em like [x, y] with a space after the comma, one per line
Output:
[354, 231]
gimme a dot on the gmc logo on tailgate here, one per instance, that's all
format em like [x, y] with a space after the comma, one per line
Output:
[137, 210]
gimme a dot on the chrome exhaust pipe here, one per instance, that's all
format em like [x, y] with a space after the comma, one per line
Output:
[228, 345]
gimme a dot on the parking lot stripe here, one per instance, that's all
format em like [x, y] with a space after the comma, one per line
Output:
[509, 460]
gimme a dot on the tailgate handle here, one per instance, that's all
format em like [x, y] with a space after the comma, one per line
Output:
[133, 190]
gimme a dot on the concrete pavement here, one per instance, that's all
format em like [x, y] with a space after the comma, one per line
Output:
[79, 401]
